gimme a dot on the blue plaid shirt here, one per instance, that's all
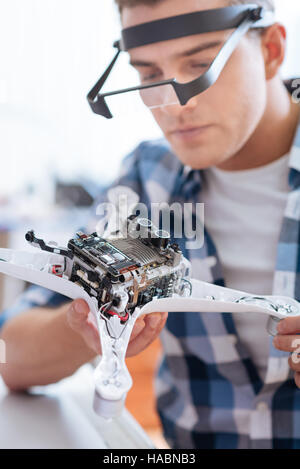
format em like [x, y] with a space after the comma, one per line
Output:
[209, 392]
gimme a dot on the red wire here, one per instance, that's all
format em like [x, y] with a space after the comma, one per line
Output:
[113, 313]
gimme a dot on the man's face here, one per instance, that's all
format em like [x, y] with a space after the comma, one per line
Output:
[213, 126]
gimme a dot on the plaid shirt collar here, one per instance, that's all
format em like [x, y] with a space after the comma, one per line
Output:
[294, 162]
[189, 180]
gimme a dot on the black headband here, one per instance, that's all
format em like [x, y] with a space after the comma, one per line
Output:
[240, 18]
[197, 22]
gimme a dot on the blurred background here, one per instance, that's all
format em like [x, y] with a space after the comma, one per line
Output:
[55, 153]
[52, 52]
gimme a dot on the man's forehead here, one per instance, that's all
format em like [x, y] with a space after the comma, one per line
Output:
[132, 16]
[173, 22]
[181, 47]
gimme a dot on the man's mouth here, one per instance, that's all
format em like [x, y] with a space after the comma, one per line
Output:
[188, 133]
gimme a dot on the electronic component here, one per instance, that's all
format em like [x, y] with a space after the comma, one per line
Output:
[138, 272]
[144, 266]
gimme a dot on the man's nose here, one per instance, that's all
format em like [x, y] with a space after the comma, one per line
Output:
[177, 109]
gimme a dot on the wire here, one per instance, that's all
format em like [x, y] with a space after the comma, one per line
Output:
[189, 283]
[106, 306]
[250, 299]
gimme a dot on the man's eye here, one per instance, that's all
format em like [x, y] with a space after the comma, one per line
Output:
[152, 77]
[202, 65]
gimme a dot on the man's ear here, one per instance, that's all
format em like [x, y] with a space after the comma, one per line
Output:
[274, 48]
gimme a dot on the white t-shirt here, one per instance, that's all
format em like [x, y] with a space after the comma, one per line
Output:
[243, 214]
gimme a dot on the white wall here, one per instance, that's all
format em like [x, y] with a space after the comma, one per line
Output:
[51, 53]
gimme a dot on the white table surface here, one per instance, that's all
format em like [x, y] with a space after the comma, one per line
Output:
[61, 416]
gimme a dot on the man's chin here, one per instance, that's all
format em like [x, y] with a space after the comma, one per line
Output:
[196, 158]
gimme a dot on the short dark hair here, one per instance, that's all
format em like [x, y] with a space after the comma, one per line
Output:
[268, 4]
[133, 3]
[253, 33]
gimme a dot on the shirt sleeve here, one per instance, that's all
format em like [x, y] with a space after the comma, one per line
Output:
[32, 297]
[129, 176]
[35, 295]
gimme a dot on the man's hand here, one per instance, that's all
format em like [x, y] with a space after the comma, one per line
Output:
[45, 345]
[288, 340]
[145, 330]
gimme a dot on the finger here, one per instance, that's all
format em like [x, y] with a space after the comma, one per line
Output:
[287, 343]
[156, 320]
[289, 325]
[82, 321]
[294, 362]
[91, 337]
[92, 320]
[77, 314]
[137, 329]
[153, 326]
[297, 378]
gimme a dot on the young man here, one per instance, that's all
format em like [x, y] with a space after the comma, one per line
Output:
[222, 383]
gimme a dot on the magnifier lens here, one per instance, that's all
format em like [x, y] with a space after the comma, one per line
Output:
[158, 96]
[124, 76]
[136, 101]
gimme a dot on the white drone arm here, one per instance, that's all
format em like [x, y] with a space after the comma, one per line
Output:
[112, 379]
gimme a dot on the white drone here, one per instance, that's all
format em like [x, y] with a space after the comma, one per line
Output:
[124, 277]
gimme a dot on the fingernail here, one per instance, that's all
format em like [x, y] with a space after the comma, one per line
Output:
[280, 327]
[154, 321]
[79, 307]
[140, 322]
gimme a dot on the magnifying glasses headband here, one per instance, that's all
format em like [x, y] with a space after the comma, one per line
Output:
[240, 18]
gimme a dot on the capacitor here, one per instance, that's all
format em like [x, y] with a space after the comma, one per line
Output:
[161, 239]
[143, 226]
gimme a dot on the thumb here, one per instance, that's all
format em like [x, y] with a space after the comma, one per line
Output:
[77, 314]
[81, 321]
